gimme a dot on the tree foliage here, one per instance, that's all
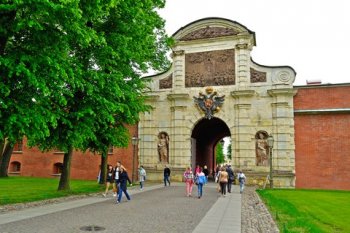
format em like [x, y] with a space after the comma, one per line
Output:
[229, 150]
[220, 158]
[72, 71]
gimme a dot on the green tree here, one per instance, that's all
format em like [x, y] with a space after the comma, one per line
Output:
[220, 158]
[107, 45]
[34, 64]
[229, 150]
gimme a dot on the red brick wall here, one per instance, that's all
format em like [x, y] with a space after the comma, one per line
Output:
[84, 165]
[322, 153]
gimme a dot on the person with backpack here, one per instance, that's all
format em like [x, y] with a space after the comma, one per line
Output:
[200, 181]
[241, 180]
[231, 178]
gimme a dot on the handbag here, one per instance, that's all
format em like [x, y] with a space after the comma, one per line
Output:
[218, 188]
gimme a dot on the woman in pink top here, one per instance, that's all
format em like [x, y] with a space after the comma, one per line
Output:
[189, 181]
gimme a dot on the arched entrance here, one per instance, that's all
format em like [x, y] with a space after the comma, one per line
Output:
[205, 135]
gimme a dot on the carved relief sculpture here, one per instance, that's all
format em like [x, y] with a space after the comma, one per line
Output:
[210, 32]
[209, 103]
[257, 76]
[163, 147]
[166, 82]
[262, 149]
[213, 68]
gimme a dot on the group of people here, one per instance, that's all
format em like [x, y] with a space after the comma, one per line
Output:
[119, 177]
[223, 175]
[199, 178]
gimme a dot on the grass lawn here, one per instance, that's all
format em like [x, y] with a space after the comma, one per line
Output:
[309, 210]
[26, 189]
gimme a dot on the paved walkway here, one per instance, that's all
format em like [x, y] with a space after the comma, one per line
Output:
[156, 209]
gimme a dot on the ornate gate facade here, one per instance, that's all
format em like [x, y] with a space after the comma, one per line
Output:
[213, 82]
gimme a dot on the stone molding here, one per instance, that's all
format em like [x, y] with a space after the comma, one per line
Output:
[243, 93]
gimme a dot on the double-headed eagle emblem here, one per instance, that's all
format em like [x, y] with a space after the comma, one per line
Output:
[209, 103]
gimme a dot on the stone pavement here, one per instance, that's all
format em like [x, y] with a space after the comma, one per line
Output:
[155, 209]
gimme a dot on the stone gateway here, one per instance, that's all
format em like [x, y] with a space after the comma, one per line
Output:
[214, 90]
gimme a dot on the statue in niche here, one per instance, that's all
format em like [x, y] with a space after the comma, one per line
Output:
[262, 149]
[163, 147]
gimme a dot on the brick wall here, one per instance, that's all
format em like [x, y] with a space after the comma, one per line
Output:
[84, 165]
[322, 153]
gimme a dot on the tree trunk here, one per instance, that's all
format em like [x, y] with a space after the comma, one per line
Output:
[5, 158]
[2, 144]
[7, 19]
[65, 175]
[104, 161]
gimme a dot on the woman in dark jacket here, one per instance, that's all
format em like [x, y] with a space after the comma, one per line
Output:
[123, 178]
[109, 179]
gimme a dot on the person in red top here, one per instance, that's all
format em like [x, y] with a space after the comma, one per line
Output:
[189, 181]
[197, 170]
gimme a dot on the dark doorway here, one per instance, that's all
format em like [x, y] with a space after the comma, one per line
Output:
[205, 135]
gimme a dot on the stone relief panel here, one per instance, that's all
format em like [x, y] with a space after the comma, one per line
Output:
[261, 148]
[209, 32]
[257, 76]
[214, 68]
[166, 82]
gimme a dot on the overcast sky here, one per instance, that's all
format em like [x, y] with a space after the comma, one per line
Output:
[311, 36]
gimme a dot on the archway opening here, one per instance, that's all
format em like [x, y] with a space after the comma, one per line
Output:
[205, 136]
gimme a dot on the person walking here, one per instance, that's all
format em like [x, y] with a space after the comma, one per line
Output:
[142, 176]
[206, 173]
[223, 179]
[109, 179]
[166, 175]
[189, 181]
[241, 180]
[123, 179]
[197, 170]
[116, 184]
[231, 177]
[200, 182]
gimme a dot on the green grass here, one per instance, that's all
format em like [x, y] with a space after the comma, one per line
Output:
[27, 189]
[309, 210]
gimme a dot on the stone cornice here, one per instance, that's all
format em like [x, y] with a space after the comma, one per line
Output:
[284, 91]
[152, 97]
[321, 111]
[243, 93]
[178, 96]
[177, 53]
[242, 106]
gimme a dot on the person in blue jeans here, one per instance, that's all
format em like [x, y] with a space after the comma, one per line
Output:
[123, 179]
[201, 180]
[166, 175]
